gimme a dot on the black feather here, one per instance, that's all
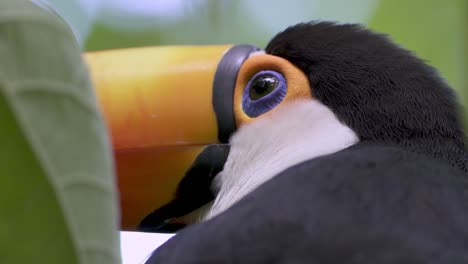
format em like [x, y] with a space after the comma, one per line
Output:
[368, 204]
[382, 91]
[193, 191]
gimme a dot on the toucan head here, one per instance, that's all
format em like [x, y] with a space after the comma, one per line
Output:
[190, 124]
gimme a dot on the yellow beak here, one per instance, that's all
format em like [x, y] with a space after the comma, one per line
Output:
[163, 105]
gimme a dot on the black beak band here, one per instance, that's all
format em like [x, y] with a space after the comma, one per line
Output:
[223, 88]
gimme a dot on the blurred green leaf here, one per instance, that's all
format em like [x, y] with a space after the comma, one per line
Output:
[79, 14]
[105, 37]
[57, 199]
[436, 30]
[215, 22]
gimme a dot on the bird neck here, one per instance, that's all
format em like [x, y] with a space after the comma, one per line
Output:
[296, 132]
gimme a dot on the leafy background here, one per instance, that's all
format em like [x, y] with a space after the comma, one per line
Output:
[437, 30]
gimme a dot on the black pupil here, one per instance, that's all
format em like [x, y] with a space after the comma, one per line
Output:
[262, 86]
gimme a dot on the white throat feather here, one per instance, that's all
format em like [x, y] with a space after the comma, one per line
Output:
[297, 132]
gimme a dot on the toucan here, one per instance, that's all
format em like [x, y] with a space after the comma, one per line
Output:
[331, 145]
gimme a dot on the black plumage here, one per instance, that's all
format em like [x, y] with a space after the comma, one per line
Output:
[380, 90]
[398, 196]
[193, 191]
[365, 205]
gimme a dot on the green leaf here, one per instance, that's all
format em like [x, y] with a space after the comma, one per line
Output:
[435, 30]
[58, 199]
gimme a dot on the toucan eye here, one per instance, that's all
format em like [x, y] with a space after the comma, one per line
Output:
[262, 86]
[263, 92]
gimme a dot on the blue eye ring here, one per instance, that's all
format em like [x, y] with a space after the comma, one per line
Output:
[264, 91]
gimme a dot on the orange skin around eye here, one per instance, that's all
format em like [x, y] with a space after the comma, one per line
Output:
[298, 86]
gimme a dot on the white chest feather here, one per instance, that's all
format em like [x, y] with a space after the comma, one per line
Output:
[261, 150]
